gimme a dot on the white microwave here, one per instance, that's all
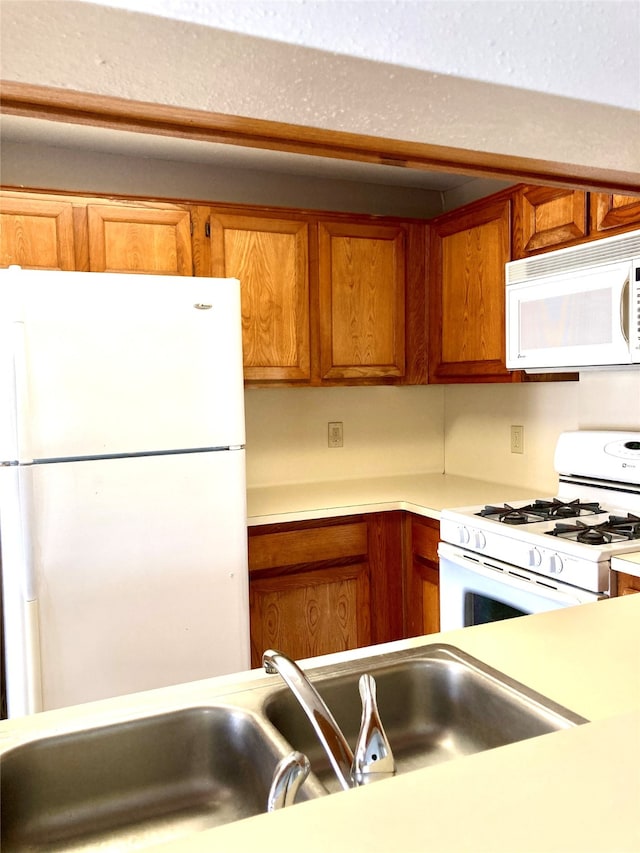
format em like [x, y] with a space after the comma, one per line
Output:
[575, 308]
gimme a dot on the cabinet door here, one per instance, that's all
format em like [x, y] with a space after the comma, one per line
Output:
[625, 584]
[310, 613]
[422, 581]
[546, 217]
[271, 259]
[362, 300]
[467, 294]
[139, 239]
[309, 587]
[613, 212]
[37, 234]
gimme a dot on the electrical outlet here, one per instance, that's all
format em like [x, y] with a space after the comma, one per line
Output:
[517, 439]
[335, 434]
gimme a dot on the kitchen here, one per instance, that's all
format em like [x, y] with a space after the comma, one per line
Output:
[441, 425]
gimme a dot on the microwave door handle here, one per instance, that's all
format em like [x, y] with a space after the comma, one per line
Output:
[624, 309]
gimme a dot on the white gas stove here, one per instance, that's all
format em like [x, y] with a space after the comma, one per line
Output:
[558, 546]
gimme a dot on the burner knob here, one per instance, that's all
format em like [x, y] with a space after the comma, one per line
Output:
[535, 557]
[479, 540]
[555, 564]
[463, 536]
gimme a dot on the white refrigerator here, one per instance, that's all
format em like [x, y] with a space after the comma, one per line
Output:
[122, 484]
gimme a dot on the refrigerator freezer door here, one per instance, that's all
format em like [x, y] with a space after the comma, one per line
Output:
[141, 573]
[118, 363]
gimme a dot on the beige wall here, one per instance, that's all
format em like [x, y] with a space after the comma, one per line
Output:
[386, 431]
[55, 168]
[478, 420]
[462, 429]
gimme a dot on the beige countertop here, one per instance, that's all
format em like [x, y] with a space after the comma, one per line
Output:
[423, 494]
[575, 790]
[629, 563]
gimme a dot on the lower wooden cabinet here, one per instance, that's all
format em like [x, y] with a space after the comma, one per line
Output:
[422, 576]
[625, 584]
[336, 584]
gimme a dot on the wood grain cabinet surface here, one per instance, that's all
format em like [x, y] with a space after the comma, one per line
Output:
[145, 239]
[546, 218]
[625, 584]
[325, 586]
[467, 293]
[309, 588]
[37, 233]
[270, 257]
[422, 576]
[362, 278]
[612, 212]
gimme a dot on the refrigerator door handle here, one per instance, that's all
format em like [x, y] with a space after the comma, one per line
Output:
[25, 494]
[22, 413]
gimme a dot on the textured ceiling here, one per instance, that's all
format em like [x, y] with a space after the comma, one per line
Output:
[583, 49]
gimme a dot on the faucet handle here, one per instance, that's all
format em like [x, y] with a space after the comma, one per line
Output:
[290, 773]
[373, 758]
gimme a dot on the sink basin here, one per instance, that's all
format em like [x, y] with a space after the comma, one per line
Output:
[131, 784]
[436, 703]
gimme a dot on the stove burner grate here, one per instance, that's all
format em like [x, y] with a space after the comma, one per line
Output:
[540, 510]
[615, 529]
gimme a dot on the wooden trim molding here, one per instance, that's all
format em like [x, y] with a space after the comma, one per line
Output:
[56, 104]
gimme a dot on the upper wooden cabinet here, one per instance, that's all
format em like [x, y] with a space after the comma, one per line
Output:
[362, 279]
[139, 239]
[613, 212]
[466, 293]
[546, 217]
[325, 300]
[271, 258]
[37, 234]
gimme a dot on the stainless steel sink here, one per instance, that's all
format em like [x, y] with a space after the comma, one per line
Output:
[161, 777]
[436, 704]
[125, 786]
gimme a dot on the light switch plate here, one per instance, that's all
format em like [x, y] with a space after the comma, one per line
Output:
[517, 439]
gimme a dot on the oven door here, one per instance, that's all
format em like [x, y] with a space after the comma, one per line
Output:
[475, 589]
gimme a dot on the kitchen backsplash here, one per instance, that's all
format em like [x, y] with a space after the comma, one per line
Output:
[386, 431]
[461, 429]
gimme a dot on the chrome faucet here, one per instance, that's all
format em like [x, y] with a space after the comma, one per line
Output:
[373, 758]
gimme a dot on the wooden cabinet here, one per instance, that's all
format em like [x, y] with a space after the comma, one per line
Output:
[271, 258]
[37, 234]
[612, 212]
[422, 576]
[309, 588]
[74, 233]
[547, 218]
[468, 252]
[326, 300]
[139, 239]
[625, 584]
[362, 280]
[326, 585]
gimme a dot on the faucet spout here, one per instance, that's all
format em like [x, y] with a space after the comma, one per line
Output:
[318, 714]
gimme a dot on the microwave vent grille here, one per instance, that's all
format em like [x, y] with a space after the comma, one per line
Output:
[622, 247]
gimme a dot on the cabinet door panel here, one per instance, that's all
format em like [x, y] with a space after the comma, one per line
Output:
[311, 612]
[140, 240]
[545, 218]
[612, 211]
[467, 298]
[270, 257]
[422, 583]
[37, 234]
[362, 298]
